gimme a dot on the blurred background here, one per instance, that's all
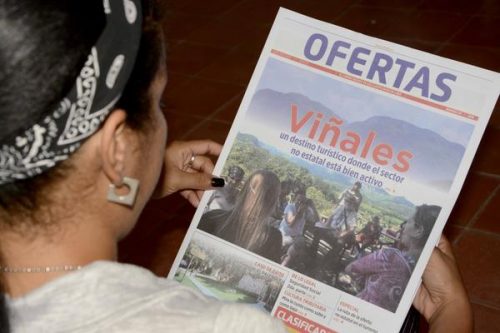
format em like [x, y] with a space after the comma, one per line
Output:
[213, 47]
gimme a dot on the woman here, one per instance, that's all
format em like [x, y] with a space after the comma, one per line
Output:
[62, 211]
[78, 163]
[385, 273]
[248, 224]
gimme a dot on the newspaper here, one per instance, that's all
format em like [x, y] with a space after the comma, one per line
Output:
[342, 166]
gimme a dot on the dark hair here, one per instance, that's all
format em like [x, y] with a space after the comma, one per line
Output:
[44, 44]
[38, 66]
[425, 216]
[251, 224]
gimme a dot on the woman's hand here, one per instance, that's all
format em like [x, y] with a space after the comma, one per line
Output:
[188, 170]
[442, 298]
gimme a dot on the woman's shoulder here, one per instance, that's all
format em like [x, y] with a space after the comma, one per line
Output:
[113, 297]
[271, 249]
[108, 290]
[211, 219]
[214, 318]
[156, 304]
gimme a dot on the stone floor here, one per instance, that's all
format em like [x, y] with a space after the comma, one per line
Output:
[213, 47]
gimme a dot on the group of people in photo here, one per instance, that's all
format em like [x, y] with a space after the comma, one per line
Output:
[276, 220]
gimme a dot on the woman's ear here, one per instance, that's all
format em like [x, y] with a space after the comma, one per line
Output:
[113, 146]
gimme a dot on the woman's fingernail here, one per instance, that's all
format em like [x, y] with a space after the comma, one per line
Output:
[218, 182]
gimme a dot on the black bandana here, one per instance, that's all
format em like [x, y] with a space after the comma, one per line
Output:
[79, 115]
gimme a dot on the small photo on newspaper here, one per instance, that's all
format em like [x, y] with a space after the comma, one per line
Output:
[219, 271]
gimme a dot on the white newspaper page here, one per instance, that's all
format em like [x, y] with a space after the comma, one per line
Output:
[342, 166]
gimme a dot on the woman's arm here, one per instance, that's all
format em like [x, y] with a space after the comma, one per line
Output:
[442, 298]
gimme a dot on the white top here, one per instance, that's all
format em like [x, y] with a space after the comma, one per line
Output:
[112, 297]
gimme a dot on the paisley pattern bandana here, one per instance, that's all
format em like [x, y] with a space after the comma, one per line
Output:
[33, 150]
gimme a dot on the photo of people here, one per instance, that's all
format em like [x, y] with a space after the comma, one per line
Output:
[217, 270]
[336, 230]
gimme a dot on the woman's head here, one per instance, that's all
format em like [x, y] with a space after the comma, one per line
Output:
[44, 47]
[418, 228]
[255, 204]
[260, 194]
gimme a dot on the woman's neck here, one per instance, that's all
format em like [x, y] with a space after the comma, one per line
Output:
[67, 243]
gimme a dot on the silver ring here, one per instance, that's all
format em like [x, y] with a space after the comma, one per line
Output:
[191, 161]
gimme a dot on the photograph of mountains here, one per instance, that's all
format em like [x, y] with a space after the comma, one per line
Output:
[435, 140]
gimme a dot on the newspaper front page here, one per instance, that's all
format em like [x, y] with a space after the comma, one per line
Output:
[342, 166]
